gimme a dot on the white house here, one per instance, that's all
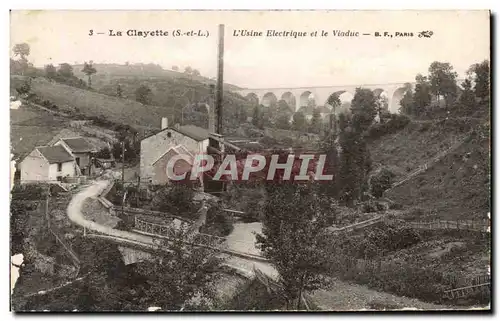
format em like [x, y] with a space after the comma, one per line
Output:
[49, 163]
[81, 150]
[155, 149]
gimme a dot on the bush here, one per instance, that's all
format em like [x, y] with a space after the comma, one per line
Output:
[218, 222]
[395, 206]
[369, 208]
[380, 240]
[30, 192]
[396, 123]
[175, 199]
[103, 153]
[381, 182]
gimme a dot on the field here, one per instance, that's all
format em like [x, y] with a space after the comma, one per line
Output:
[91, 103]
[457, 187]
[32, 127]
[417, 143]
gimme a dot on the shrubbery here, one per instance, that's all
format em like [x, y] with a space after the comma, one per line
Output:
[380, 241]
[30, 192]
[381, 182]
[395, 123]
[176, 199]
[218, 222]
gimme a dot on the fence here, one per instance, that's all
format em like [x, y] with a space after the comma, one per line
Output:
[171, 232]
[55, 231]
[157, 229]
[466, 291]
[133, 210]
[360, 225]
[468, 225]
[197, 239]
[350, 266]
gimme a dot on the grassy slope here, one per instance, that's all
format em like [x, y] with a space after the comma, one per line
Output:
[176, 93]
[94, 104]
[32, 127]
[417, 143]
[107, 72]
[457, 187]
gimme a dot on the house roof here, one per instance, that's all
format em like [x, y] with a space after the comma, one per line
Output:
[195, 132]
[78, 145]
[56, 154]
[177, 150]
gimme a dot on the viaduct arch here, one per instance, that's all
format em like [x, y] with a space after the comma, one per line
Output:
[299, 97]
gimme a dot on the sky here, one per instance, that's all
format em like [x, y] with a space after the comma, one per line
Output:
[459, 37]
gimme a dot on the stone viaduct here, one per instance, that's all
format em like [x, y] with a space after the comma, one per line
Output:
[299, 96]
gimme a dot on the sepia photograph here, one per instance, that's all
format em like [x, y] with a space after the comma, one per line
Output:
[244, 160]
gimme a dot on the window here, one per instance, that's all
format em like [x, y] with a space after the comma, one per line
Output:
[169, 134]
[59, 167]
[78, 161]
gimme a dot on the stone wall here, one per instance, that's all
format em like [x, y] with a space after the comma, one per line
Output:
[153, 147]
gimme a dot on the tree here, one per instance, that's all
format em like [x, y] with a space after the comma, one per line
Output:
[334, 101]
[364, 109]
[315, 126]
[22, 50]
[25, 88]
[119, 91]
[196, 72]
[175, 277]
[103, 153]
[50, 71]
[18, 226]
[382, 104]
[354, 164]
[406, 102]
[257, 120]
[299, 122]
[65, 70]
[283, 121]
[329, 147]
[175, 68]
[380, 182]
[177, 198]
[443, 81]
[89, 70]
[467, 98]
[144, 95]
[293, 237]
[422, 96]
[283, 107]
[481, 79]
[188, 70]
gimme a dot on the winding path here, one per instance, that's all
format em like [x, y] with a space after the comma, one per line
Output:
[75, 214]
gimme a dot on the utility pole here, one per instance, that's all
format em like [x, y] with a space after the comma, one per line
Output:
[47, 216]
[123, 174]
[220, 81]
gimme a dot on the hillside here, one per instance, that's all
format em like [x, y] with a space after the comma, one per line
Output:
[457, 187]
[90, 103]
[420, 141]
[31, 127]
[175, 93]
[108, 72]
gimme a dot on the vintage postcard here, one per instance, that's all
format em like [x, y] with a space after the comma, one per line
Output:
[250, 160]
